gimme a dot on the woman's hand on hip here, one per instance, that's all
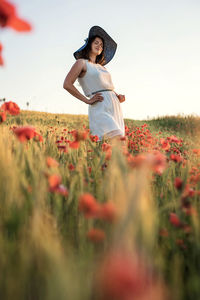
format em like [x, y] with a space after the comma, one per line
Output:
[97, 97]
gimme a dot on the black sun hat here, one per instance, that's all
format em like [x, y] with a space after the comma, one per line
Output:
[110, 45]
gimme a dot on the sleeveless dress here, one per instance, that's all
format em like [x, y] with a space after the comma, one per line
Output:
[105, 118]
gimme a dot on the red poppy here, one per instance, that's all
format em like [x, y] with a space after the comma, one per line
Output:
[181, 243]
[60, 189]
[9, 18]
[176, 157]
[74, 144]
[174, 220]
[196, 151]
[54, 181]
[96, 235]
[157, 161]
[71, 167]
[105, 147]
[1, 58]
[108, 212]
[164, 144]
[178, 183]
[88, 205]
[62, 148]
[79, 135]
[24, 133]
[51, 162]
[94, 138]
[11, 108]
[2, 116]
[123, 276]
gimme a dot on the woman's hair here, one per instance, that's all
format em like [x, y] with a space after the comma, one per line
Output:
[100, 59]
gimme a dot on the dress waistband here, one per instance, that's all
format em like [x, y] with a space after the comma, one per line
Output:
[100, 91]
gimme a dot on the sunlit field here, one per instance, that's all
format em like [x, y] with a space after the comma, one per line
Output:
[87, 219]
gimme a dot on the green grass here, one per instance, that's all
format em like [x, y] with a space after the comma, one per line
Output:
[44, 249]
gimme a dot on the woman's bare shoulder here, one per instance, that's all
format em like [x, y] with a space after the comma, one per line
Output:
[79, 64]
[80, 61]
[103, 67]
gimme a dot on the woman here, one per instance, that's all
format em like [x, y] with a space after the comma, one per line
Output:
[105, 114]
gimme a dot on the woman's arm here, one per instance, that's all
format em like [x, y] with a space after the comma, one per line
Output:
[70, 79]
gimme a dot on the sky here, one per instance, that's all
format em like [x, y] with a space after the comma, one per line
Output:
[156, 65]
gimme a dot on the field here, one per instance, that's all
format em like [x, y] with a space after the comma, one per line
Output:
[82, 219]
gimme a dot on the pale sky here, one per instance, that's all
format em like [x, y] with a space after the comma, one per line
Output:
[156, 65]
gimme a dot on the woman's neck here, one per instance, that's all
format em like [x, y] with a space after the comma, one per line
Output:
[92, 58]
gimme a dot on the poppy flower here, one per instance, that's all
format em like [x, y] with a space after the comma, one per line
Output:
[178, 183]
[51, 162]
[174, 139]
[54, 181]
[105, 147]
[94, 138]
[11, 108]
[196, 151]
[164, 144]
[108, 212]
[60, 189]
[181, 243]
[55, 185]
[157, 162]
[62, 148]
[88, 205]
[108, 154]
[96, 235]
[74, 144]
[25, 133]
[176, 157]
[174, 220]
[1, 58]
[123, 276]
[71, 167]
[2, 116]
[9, 18]
[79, 135]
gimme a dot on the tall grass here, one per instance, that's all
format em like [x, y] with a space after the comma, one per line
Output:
[44, 246]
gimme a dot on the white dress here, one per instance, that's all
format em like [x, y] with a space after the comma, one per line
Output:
[105, 118]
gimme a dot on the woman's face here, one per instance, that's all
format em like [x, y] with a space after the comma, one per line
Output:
[97, 46]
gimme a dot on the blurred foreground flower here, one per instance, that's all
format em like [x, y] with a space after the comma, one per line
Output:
[55, 185]
[108, 212]
[154, 160]
[9, 17]
[88, 205]
[174, 220]
[25, 133]
[123, 276]
[1, 58]
[2, 116]
[11, 108]
[51, 162]
[96, 235]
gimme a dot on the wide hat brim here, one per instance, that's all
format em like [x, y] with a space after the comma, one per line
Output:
[110, 45]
